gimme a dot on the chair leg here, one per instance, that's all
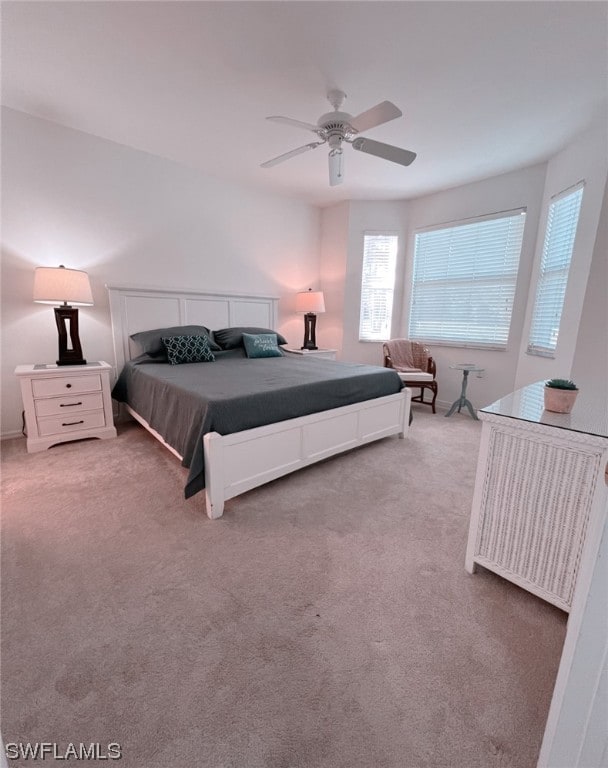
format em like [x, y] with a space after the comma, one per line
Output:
[420, 398]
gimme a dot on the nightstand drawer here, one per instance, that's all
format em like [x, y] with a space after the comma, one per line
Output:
[66, 385]
[53, 406]
[56, 425]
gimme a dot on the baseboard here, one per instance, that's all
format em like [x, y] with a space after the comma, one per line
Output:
[440, 405]
[11, 435]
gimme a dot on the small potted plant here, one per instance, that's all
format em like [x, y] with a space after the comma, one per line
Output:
[560, 395]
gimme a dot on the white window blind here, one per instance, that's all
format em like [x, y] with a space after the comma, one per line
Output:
[464, 281]
[562, 220]
[377, 286]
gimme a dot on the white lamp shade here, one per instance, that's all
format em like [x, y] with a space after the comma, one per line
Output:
[310, 301]
[54, 285]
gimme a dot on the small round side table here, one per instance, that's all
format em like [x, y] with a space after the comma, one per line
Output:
[462, 401]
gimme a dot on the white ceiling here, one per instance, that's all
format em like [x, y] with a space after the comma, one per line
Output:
[485, 87]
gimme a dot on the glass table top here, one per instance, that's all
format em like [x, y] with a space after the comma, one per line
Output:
[589, 414]
[466, 367]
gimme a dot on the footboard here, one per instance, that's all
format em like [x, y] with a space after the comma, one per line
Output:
[244, 460]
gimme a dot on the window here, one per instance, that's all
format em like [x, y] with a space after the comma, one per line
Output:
[464, 281]
[377, 286]
[562, 221]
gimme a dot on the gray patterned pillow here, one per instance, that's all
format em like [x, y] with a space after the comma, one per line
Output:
[188, 349]
[151, 342]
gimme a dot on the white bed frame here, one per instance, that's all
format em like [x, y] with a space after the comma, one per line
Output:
[244, 460]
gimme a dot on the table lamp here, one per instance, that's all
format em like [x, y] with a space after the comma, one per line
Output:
[54, 285]
[310, 303]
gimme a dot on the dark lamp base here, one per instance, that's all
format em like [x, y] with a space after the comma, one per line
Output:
[71, 362]
[66, 318]
[310, 322]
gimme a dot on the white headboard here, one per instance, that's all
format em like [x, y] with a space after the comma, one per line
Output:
[134, 309]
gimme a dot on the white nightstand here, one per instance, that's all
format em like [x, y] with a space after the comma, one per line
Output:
[67, 402]
[327, 354]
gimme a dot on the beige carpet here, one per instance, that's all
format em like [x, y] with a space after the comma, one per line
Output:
[326, 621]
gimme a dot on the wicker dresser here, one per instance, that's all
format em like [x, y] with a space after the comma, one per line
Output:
[540, 486]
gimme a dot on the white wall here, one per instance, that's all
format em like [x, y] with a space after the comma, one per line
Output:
[334, 257]
[342, 230]
[129, 217]
[363, 217]
[586, 158]
[519, 189]
[532, 188]
[590, 367]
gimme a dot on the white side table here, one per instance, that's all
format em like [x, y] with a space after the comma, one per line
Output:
[326, 354]
[67, 402]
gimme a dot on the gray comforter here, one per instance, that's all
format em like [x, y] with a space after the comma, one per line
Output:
[185, 402]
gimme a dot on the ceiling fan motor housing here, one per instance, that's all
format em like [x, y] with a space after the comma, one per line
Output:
[337, 123]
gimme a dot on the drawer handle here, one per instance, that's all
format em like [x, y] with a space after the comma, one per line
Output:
[68, 405]
[68, 386]
[72, 423]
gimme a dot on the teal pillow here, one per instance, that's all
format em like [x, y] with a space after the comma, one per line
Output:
[261, 345]
[188, 349]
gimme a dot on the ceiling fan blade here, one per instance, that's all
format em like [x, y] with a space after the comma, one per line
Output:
[377, 115]
[336, 167]
[291, 121]
[386, 151]
[292, 153]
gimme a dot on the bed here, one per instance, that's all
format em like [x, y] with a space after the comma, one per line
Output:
[238, 423]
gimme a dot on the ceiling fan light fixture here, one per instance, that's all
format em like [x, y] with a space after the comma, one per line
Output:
[335, 127]
[336, 167]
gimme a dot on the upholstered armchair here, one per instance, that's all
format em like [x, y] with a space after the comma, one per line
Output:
[414, 364]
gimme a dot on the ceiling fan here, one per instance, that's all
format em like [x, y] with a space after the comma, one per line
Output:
[334, 128]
